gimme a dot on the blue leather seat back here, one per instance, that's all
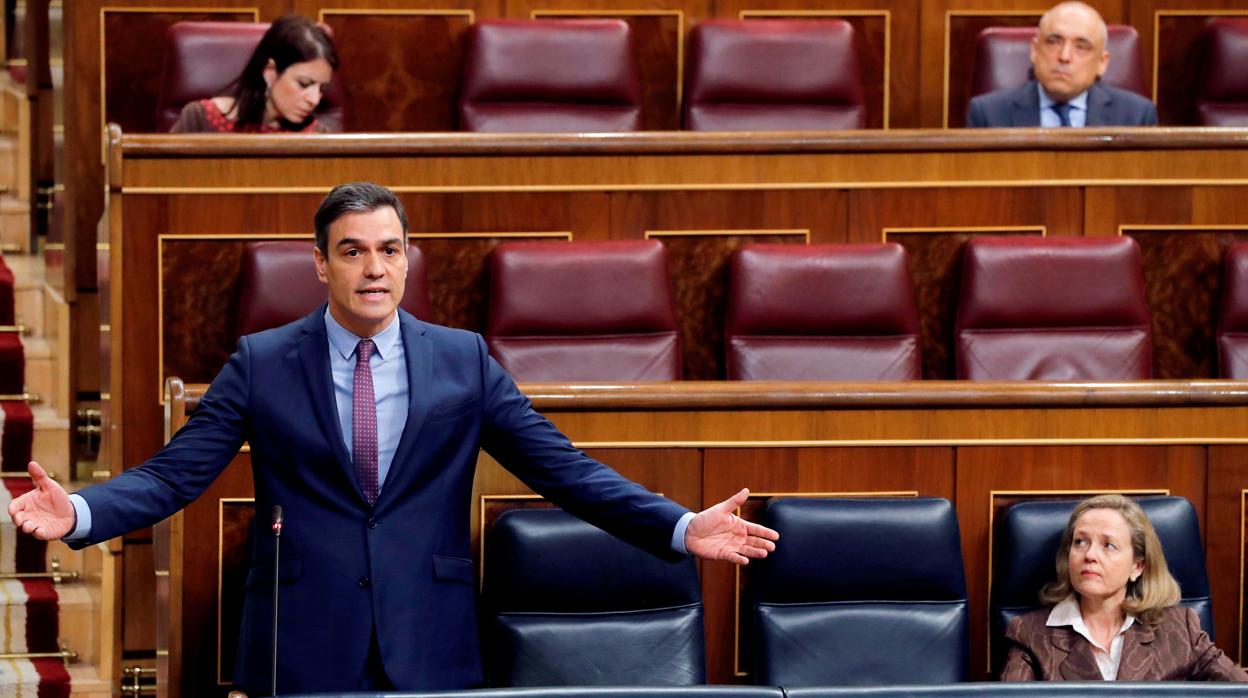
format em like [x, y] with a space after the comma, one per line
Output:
[862, 591]
[1025, 557]
[572, 605]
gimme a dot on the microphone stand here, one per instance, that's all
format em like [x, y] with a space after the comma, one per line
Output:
[277, 556]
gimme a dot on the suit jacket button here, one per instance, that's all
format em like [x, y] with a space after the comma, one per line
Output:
[373, 523]
[364, 582]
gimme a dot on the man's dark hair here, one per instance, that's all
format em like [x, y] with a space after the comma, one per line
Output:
[354, 197]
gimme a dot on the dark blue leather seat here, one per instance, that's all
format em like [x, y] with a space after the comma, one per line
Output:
[861, 591]
[1025, 550]
[572, 605]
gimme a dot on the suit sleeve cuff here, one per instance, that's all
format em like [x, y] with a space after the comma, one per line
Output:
[82, 529]
[678, 536]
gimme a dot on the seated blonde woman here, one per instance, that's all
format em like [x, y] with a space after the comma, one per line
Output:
[1114, 611]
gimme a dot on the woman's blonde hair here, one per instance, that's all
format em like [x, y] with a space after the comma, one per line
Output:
[1153, 591]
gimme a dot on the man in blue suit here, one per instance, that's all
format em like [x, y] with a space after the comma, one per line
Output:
[1068, 57]
[364, 425]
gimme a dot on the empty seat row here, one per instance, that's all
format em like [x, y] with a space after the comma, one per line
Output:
[1029, 309]
[568, 604]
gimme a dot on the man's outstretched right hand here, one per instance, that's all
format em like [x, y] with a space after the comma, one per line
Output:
[44, 512]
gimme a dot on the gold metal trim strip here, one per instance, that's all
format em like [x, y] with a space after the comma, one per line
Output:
[558, 234]
[736, 606]
[932, 230]
[888, 38]
[1179, 13]
[711, 186]
[854, 443]
[54, 246]
[804, 232]
[220, 565]
[158, 9]
[1146, 227]
[680, 36]
[993, 494]
[949, 15]
[391, 12]
[1243, 511]
[102, 246]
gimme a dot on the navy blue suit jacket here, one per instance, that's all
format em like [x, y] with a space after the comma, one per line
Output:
[1020, 107]
[276, 393]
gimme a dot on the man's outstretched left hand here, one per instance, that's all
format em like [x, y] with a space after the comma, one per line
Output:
[719, 534]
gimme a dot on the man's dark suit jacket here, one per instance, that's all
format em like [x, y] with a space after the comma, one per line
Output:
[1020, 107]
[1176, 650]
[403, 567]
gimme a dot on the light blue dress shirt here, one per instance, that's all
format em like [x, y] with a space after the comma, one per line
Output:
[1078, 110]
[390, 391]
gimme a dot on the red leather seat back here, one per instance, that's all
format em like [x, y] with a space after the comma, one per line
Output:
[203, 58]
[1233, 314]
[1222, 93]
[1003, 59]
[583, 311]
[278, 285]
[822, 312]
[773, 75]
[1053, 309]
[550, 76]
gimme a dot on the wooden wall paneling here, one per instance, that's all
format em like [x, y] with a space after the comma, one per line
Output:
[457, 266]
[935, 262]
[137, 612]
[1226, 507]
[887, 33]
[659, 44]
[700, 230]
[932, 224]
[1183, 280]
[401, 66]
[991, 476]
[950, 28]
[768, 472]
[1170, 33]
[697, 261]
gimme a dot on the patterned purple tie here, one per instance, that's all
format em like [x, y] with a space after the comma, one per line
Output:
[364, 422]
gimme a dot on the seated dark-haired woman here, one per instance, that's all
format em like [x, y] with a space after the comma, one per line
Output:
[279, 88]
[1114, 614]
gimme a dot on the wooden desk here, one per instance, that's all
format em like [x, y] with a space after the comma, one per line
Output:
[983, 446]
[180, 209]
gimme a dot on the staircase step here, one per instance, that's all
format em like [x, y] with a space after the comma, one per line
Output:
[14, 223]
[45, 376]
[84, 683]
[51, 443]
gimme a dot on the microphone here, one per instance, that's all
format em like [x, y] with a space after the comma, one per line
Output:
[277, 556]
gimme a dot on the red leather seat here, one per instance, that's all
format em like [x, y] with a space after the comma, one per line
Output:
[1053, 309]
[583, 311]
[1222, 92]
[1233, 314]
[773, 75]
[550, 76]
[202, 59]
[1003, 59]
[278, 284]
[822, 312]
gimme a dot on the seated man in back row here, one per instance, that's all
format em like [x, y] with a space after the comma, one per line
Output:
[1068, 57]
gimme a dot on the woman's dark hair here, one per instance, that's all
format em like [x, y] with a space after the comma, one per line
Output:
[291, 39]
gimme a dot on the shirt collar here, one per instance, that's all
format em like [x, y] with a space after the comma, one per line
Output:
[345, 342]
[1079, 101]
[1066, 612]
